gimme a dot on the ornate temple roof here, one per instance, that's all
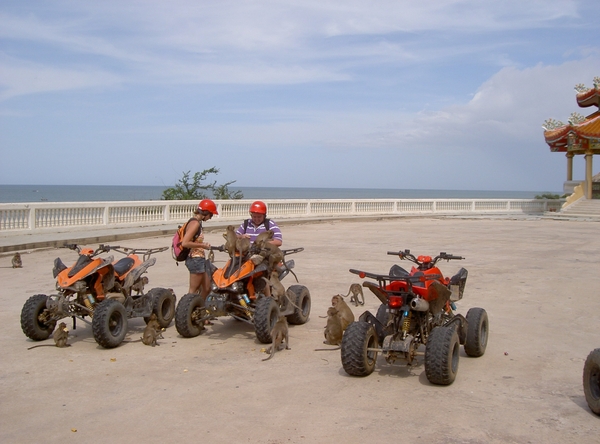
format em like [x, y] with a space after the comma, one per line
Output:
[581, 134]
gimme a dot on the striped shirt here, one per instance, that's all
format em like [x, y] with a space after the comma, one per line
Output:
[254, 231]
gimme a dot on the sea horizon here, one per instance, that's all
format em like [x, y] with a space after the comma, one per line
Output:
[98, 193]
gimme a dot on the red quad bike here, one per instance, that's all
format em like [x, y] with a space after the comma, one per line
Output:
[106, 291]
[591, 380]
[417, 308]
[239, 290]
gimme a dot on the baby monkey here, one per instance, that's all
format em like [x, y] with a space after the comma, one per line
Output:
[152, 332]
[60, 336]
[16, 261]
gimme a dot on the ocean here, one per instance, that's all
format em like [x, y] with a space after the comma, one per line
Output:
[98, 193]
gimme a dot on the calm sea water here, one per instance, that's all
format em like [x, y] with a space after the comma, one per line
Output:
[95, 193]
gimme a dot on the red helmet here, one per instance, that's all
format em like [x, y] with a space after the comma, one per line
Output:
[208, 205]
[258, 207]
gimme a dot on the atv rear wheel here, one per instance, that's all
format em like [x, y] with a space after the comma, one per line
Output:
[300, 298]
[30, 318]
[591, 381]
[189, 315]
[477, 332]
[441, 355]
[109, 323]
[357, 360]
[265, 317]
[163, 306]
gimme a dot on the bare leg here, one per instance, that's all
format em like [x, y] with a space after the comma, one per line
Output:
[195, 282]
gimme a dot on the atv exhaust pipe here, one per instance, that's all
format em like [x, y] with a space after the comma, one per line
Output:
[419, 304]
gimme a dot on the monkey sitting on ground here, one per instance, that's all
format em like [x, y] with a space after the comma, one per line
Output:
[152, 332]
[356, 290]
[333, 330]
[16, 261]
[279, 333]
[60, 336]
[344, 311]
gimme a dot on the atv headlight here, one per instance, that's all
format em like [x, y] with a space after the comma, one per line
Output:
[237, 287]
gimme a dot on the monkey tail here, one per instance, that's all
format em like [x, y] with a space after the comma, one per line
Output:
[328, 349]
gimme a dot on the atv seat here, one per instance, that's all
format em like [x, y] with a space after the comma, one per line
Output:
[123, 265]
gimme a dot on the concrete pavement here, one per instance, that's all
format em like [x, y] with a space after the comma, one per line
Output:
[537, 278]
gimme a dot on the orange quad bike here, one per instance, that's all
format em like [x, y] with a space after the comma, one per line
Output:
[107, 291]
[241, 290]
[417, 309]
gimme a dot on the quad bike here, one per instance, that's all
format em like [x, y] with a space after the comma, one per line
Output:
[106, 291]
[591, 380]
[417, 308]
[241, 290]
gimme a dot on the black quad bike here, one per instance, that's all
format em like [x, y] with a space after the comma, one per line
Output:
[241, 290]
[417, 308]
[108, 292]
[591, 381]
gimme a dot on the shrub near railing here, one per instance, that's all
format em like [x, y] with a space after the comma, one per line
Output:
[49, 216]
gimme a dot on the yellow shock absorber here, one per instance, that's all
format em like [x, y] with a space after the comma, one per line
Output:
[88, 301]
[245, 305]
[406, 322]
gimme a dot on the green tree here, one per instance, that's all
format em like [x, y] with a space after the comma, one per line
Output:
[194, 188]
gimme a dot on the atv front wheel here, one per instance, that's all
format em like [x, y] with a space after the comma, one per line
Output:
[265, 317]
[109, 323]
[31, 324]
[477, 332]
[189, 315]
[441, 355]
[357, 359]
[163, 306]
[300, 298]
[591, 381]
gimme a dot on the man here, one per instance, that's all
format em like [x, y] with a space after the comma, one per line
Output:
[258, 223]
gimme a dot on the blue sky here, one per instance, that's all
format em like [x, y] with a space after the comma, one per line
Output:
[441, 94]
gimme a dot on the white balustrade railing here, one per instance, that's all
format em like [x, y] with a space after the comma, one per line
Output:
[50, 216]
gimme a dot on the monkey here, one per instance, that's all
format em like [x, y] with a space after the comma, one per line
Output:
[60, 336]
[333, 330]
[262, 239]
[279, 333]
[344, 311]
[230, 239]
[16, 261]
[259, 247]
[356, 290]
[152, 332]
[211, 256]
[277, 288]
[242, 245]
[140, 284]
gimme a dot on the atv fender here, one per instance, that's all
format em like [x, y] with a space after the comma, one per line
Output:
[369, 318]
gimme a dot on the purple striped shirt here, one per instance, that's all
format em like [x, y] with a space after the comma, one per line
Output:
[254, 231]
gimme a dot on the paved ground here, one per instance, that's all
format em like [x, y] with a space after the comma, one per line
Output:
[538, 279]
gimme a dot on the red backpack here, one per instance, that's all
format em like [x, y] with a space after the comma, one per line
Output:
[179, 253]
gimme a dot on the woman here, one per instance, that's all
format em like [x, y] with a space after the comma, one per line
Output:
[194, 240]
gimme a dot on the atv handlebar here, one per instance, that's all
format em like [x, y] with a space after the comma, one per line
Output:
[406, 254]
[145, 252]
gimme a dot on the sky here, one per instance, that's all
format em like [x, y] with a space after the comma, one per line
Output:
[435, 94]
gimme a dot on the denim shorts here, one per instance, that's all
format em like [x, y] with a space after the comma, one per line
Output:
[196, 265]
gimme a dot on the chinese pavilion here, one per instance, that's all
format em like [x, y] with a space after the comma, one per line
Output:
[580, 136]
